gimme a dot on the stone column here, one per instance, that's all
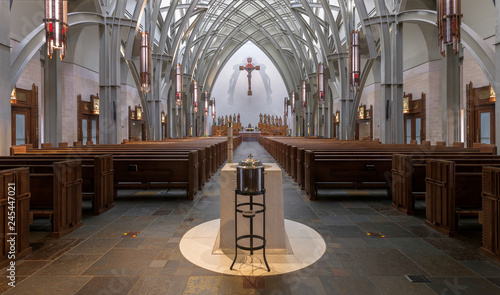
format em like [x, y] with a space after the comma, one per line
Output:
[109, 85]
[391, 86]
[5, 107]
[53, 100]
[451, 96]
[397, 118]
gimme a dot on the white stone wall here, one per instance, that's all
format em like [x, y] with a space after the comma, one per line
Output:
[75, 80]
[426, 78]
[33, 73]
[230, 89]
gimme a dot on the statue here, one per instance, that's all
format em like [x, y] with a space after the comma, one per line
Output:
[280, 122]
[285, 121]
[260, 118]
[272, 120]
[249, 125]
[238, 118]
[234, 118]
[268, 119]
[230, 119]
[226, 121]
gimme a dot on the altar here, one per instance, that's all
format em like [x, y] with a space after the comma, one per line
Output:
[250, 135]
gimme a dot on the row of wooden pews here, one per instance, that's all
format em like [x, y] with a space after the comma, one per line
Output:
[56, 179]
[454, 181]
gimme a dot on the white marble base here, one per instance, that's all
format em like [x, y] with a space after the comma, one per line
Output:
[198, 246]
[275, 216]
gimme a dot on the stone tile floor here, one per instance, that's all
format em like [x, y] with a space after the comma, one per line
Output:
[99, 259]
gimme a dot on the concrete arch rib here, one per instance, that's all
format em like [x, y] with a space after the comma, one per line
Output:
[481, 52]
[23, 52]
[289, 70]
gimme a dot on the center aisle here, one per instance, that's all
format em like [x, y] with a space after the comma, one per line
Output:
[254, 148]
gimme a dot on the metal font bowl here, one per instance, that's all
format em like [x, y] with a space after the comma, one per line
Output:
[250, 176]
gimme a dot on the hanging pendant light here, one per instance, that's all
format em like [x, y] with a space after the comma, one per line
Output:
[321, 83]
[213, 107]
[56, 26]
[292, 95]
[303, 90]
[285, 110]
[145, 62]
[206, 103]
[178, 84]
[195, 96]
[449, 18]
[354, 61]
[163, 117]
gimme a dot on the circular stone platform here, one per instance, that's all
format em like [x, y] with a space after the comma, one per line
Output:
[197, 246]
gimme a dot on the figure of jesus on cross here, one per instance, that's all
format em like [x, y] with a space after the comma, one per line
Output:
[249, 68]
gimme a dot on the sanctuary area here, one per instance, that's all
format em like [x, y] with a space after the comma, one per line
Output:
[249, 147]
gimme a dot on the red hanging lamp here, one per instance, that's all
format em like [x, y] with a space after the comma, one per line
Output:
[178, 84]
[213, 107]
[303, 90]
[206, 103]
[321, 83]
[145, 62]
[56, 26]
[449, 19]
[285, 110]
[195, 96]
[354, 61]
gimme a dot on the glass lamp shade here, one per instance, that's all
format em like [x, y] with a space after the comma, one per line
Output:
[321, 83]
[145, 62]
[206, 103]
[195, 96]
[285, 105]
[449, 19]
[213, 107]
[304, 94]
[354, 61]
[56, 26]
[178, 84]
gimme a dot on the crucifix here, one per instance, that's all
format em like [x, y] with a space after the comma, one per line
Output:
[249, 68]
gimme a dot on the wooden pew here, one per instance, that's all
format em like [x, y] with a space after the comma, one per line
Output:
[452, 190]
[372, 161]
[14, 197]
[56, 193]
[408, 174]
[151, 170]
[356, 168]
[212, 152]
[490, 214]
[97, 175]
[157, 172]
